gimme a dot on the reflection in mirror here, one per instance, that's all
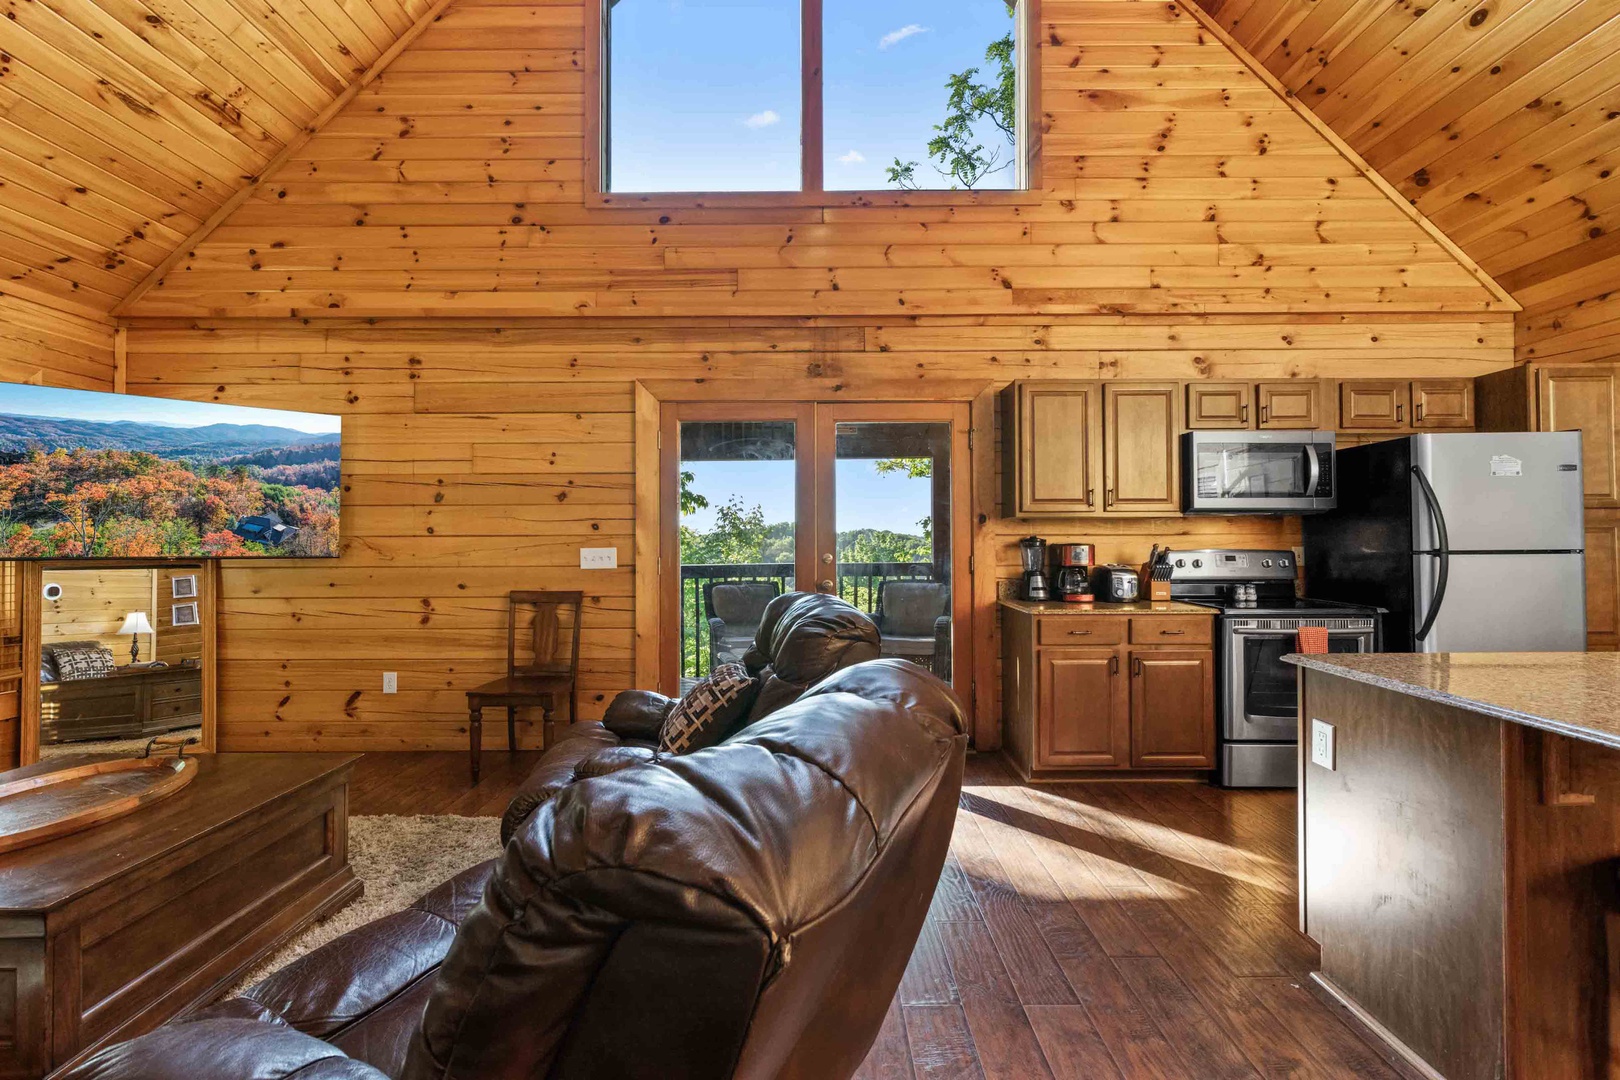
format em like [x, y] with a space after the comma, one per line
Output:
[120, 661]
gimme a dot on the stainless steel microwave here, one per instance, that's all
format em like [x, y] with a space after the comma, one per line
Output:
[1257, 472]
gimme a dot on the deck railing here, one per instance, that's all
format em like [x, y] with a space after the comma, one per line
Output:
[858, 582]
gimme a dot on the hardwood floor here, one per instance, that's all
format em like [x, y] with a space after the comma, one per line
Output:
[1087, 931]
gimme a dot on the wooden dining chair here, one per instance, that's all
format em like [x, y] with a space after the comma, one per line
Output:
[542, 682]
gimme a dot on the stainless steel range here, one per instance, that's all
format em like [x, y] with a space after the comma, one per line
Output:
[1257, 697]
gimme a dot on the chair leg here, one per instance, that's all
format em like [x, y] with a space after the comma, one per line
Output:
[475, 738]
[511, 728]
[550, 728]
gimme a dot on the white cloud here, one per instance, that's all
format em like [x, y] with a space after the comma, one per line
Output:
[763, 119]
[854, 157]
[895, 37]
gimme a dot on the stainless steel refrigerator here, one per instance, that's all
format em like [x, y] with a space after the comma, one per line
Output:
[1473, 542]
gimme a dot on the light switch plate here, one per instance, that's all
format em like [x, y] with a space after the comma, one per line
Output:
[390, 682]
[599, 558]
[1323, 750]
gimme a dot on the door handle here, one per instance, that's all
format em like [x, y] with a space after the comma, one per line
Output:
[1091, 496]
[1417, 412]
[1400, 413]
[1113, 665]
[1443, 573]
[1136, 666]
[825, 586]
[1245, 412]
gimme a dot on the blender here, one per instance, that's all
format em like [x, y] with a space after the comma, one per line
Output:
[1032, 551]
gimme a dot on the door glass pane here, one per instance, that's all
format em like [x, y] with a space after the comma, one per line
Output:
[738, 507]
[1253, 470]
[703, 95]
[1270, 687]
[892, 512]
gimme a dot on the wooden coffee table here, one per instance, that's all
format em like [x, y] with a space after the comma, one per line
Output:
[110, 932]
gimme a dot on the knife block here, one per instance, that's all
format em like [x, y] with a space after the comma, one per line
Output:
[1153, 589]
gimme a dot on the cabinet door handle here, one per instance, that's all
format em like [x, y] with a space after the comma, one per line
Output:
[1108, 498]
[1091, 496]
[1417, 411]
[1136, 666]
[1400, 413]
[1245, 412]
[1079, 633]
[1113, 665]
[1265, 413]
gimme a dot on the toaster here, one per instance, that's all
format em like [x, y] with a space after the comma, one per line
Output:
[1115, 584]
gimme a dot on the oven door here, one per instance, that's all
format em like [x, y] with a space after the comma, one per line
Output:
[1261, 703]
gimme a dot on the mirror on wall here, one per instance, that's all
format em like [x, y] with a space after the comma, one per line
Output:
[120, 658]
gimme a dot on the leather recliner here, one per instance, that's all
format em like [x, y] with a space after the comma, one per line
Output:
[802, 638]
[743, 911]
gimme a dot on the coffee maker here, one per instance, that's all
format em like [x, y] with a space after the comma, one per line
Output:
[1032, 551]
[1071, 572]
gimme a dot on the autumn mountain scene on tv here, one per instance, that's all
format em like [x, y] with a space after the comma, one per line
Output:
[87, 475]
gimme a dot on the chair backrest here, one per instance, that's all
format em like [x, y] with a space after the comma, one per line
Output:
[745, 911]
[555, 614]
[909, 608]
[739, 603]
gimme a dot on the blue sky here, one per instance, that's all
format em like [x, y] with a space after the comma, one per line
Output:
[705, 93]
[866, 500]
[20, 400]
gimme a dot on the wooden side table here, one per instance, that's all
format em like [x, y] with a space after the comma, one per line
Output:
[106, 934]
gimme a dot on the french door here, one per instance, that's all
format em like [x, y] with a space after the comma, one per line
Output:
[869, 502]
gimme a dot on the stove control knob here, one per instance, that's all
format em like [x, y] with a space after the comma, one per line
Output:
[1266, 563]
[1283, 563]
[1197, 563]
[1181, 562]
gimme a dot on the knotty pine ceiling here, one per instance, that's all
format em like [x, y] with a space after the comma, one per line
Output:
[125, 123]
[1499, 119]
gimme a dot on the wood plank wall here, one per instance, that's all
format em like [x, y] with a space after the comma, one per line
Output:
[480, 455]
[43, 344]
[1174, 180]
[177, 643]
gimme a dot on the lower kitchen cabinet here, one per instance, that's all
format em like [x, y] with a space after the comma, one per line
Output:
[1092, 689]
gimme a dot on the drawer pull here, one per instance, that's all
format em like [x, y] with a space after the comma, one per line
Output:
[1172, 633]
[1079, 633]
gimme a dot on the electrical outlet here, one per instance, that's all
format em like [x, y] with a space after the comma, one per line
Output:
[599, 558]
[390, 682]
[1322, 745]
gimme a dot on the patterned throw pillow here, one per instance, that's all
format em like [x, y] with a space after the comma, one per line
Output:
[709, 711]
[74, 662]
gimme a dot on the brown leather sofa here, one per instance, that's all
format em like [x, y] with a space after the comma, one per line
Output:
[744, 911]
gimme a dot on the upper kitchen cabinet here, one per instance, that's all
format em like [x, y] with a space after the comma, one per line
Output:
[1439, 404]
[1578, 397]
[1373, 404]
[1401, 405]
[1289, 405]
[1075, 448]
[1051, 448]
[1141, 468]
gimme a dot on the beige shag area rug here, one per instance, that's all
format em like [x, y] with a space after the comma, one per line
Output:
[397, 859]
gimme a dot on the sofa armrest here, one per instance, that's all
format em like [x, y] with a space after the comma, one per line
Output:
[638, 715]
[239, 1049]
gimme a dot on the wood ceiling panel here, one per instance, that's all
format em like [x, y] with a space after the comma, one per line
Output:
[126, 124]
[1499, 119]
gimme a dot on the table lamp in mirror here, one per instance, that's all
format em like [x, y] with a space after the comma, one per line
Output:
[135, 624]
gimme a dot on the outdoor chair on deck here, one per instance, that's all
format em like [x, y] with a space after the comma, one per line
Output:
[914, 618]
[734, 610]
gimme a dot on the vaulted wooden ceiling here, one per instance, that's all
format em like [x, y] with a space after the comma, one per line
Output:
[1499, 119]
[124, 124]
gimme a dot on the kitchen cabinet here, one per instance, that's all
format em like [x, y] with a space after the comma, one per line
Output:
[1172, 694]
[1442, 404]
[1141, 462]
[1115, 688]
[1219, 406]
[1088, 721]
[1403, 405]
[1373, 404]
[1603, 580]
[1051, 448]
[1289, 405]
[1584, 398]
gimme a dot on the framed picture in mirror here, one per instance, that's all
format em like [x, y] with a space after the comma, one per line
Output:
[183, 586]
[185, 614]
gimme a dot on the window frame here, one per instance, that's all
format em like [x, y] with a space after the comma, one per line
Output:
[812, 160]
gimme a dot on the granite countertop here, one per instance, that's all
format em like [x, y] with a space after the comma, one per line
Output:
[1573, 694]
[1141, 607]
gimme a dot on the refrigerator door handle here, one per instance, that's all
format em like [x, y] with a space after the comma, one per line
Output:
[1443, 554]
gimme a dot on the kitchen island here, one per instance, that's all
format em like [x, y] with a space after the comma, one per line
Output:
[1458, 855]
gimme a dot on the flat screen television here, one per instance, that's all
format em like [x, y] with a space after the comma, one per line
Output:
[85, 475]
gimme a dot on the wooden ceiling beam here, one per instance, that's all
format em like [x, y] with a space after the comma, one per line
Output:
[285, 154]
